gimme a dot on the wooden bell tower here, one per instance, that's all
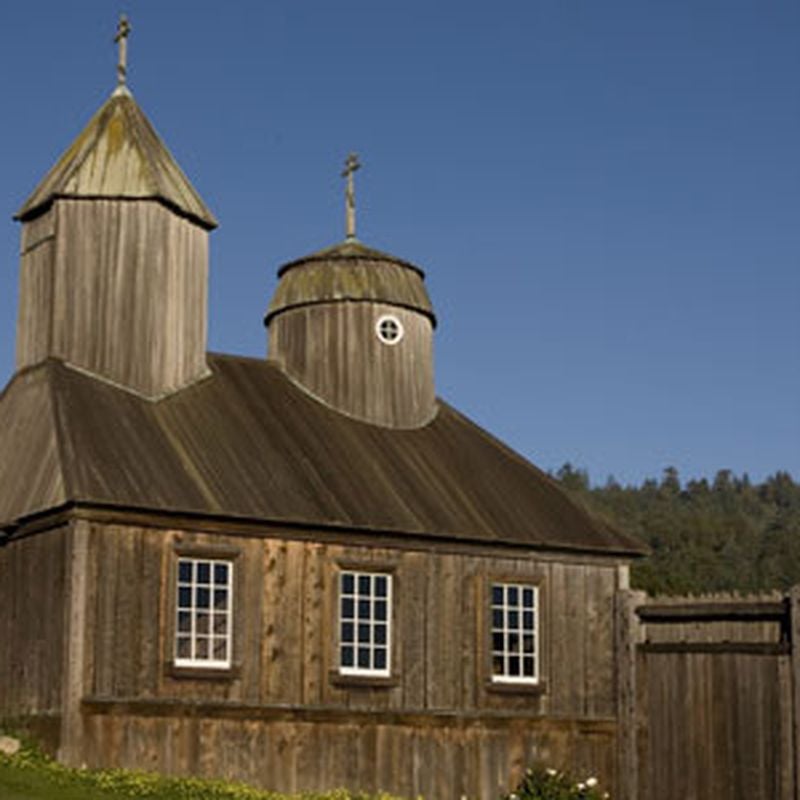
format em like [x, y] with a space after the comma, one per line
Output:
[114, 265]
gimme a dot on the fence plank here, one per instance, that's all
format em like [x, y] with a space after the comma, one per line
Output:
[794, 621]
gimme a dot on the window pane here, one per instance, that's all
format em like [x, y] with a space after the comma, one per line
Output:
[184, 597]
[220, 624]
[348, 609]
[203, 598]
[184, 648]
[513, 619]
[184, 571]
[363, 657]
[348, 632]
[527, 667]
[363, 584]
[513, 665]
[498, 667]
[497, 595]
[380, 658]
[497, 618]
[513, 596]
[203, 572]
[348, 583]
[184, 621]
[220, 649]
[220, 599]
[363, 609]
[527, 620]
[380, 634]
[527, 598]
[202, 623]
[201, 647]
[363, 633]
[347, 656]
[220, 573]
[380, 586]
[380, 610]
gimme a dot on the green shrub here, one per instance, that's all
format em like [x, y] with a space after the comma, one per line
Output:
[550, 784]
[31, 774]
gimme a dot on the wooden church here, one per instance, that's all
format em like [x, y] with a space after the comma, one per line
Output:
[301, 571]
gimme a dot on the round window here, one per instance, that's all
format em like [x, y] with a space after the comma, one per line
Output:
[389, 329]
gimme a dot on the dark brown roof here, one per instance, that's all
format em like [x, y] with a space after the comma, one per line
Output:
[350, 271]
[247, 443]
[119, 154]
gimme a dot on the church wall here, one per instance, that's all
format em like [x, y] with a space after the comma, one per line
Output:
[434, 759]
[284, 687]
[332, 350]
[32, 625]
[120, 291]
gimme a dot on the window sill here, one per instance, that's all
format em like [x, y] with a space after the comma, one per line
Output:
[203, 673]
[501, 687]
[362, 681]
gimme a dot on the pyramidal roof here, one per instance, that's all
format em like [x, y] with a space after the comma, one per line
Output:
[119, 155]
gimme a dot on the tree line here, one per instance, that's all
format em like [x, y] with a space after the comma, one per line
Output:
[723, 535]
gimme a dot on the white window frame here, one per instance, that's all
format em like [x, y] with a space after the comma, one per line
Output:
[357, 620]
[193, 611]
[398, 327]
[516, 621]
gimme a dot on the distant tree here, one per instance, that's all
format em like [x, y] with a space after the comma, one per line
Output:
[724, 535]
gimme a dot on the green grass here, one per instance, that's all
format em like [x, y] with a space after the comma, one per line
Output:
[30, 775]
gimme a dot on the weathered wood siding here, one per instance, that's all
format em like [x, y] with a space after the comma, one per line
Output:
[715, 709]
[32, 590]
[284, 701]
[331, 349]
[118, 288]
[449, 759]
[36, 290]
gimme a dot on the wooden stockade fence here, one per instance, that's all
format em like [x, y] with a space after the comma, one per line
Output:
[709, 697]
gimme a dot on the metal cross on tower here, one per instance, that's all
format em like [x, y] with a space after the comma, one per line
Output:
[350, 166]
[123, 31]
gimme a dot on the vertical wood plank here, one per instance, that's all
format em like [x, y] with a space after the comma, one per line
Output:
[628, 634]
[794, 638]
[71, 749]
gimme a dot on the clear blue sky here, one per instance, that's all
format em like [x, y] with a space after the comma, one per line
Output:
[605, 196]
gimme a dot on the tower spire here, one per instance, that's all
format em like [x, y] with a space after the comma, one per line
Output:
[350, 166]
[123, 31]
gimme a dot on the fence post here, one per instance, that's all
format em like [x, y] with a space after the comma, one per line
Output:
[794, 642]
[629, 632]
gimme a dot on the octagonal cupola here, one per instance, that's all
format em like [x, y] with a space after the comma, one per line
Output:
[114, 257]
[354, 327]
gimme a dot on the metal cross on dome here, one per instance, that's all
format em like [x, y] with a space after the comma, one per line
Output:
[350, 166]
[123, 31]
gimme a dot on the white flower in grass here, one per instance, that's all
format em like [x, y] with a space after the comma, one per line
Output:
[591, 782]
[580, 786]
[551, 772]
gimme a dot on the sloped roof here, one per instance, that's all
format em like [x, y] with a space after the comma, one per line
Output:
[119, 155]
[350, 271]
[247, 443]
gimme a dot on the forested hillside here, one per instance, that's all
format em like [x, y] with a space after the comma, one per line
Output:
[706, 536]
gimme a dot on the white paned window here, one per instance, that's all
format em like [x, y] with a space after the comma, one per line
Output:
[204, 606]
[389, 329]
[365, 605]
[515, 633]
